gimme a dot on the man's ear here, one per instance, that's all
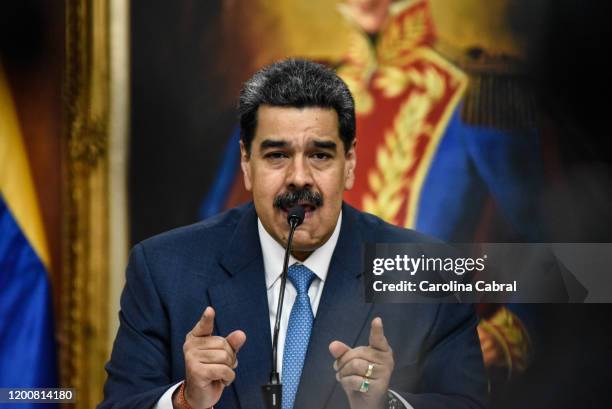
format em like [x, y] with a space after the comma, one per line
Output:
[349, 166]
[245, 158]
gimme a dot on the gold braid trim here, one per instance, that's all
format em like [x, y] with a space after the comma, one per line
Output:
[397, 155]
[401, 37]
[393, 50]
[358, 70]
[388, 179]
[459, 80]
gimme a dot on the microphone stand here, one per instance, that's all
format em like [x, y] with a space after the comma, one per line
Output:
[272, 392]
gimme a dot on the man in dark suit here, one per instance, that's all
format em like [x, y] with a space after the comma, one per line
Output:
[297, 148]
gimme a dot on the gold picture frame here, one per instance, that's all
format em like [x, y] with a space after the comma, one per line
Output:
[84, 324]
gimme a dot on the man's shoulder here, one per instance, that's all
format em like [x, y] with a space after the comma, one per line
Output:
[213, 232]
[376, 230]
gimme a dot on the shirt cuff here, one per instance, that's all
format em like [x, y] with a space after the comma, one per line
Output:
[165, 402]
[401, 399]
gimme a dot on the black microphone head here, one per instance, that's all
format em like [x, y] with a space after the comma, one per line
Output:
[295, 215]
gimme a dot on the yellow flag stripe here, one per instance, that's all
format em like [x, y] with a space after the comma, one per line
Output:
[16, 183]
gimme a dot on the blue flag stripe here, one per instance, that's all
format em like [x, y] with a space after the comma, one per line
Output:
[27, 344]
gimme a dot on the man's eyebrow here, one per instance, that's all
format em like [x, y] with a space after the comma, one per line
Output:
[325, 144]
[270, 143]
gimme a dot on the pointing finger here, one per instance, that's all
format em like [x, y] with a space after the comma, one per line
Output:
[377, 335]
[204, 326]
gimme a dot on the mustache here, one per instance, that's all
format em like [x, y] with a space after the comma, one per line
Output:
[303, 196]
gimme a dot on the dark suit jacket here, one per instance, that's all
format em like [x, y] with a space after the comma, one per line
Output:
[171, 278]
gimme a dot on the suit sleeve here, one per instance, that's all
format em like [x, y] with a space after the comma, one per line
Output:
[139, 368]
[452, 373]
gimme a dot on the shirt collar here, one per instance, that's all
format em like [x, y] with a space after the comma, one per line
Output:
[274, 254]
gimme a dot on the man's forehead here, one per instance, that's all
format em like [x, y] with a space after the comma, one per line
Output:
[291, 126]
[271, 117]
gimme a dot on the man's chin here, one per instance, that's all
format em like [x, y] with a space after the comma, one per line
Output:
[304, 241]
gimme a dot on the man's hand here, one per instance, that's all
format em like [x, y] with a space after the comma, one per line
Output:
[209, 362]
[351, 366]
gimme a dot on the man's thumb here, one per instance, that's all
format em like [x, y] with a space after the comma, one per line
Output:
[337, 349]
[236, 340]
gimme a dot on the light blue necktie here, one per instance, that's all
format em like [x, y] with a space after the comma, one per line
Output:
[298, 332]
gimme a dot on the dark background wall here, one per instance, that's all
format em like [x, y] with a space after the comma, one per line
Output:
[182, 110]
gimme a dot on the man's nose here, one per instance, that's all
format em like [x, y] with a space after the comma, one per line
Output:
[300, 174]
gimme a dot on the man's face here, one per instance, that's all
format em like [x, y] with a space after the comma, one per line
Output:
[370, 15]
[298, 150]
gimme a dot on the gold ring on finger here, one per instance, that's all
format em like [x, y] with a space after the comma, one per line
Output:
[368, 373]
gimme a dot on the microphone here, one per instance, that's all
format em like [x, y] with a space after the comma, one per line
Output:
[295, 217]
[273, 391]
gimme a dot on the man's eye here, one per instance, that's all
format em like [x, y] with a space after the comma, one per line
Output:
[275, 155]
[321, 156]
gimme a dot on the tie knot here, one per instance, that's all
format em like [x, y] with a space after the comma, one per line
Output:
[301, 277]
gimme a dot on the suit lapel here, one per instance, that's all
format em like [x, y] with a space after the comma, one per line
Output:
[342, 315]
[241, 303]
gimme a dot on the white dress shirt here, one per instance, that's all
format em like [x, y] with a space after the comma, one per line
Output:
[273, 256]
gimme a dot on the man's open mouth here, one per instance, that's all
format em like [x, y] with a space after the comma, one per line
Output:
[308, 199]
[309, 209]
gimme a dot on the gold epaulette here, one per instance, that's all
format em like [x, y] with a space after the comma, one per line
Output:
[512, 337]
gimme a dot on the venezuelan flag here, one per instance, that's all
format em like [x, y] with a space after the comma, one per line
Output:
[28, 354]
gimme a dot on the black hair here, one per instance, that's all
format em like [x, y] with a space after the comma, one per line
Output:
[296, 83]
